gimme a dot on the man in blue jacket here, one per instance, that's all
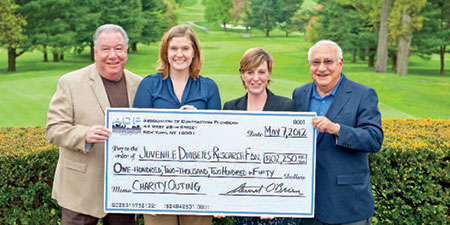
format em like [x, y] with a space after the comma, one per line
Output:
[349, 125]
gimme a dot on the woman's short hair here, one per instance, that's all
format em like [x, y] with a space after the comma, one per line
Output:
[179, 31]
[253, 57]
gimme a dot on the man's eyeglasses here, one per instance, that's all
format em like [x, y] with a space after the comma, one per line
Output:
[326, 62]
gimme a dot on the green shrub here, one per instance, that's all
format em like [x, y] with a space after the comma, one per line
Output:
[27, 163]
[410, 175]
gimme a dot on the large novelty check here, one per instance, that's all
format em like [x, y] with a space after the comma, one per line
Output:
[210, 162]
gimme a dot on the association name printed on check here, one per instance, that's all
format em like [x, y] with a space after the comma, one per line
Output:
[208, 162]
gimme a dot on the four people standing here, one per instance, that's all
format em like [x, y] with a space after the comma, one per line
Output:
[348, 121]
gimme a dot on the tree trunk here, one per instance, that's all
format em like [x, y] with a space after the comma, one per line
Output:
[404, 42]
[224, 26]
[354, 56]
[55, 57]
[92, 52]
[45, 54]
[382, 49]
[371, 57]
[11, 59]
[394, 60]
[267, 24]
[362, 54]
[61, 57]
[442, 57]
[134, 46]
[287, 33]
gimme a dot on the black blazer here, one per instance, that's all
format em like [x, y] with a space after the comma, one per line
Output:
[273, 103]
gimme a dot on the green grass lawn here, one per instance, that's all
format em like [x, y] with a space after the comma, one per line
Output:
[425, 93]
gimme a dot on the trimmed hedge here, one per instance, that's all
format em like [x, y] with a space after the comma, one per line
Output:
[27, 163]
[410, 175]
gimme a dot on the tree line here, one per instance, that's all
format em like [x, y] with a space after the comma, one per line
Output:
[378, 29]
[55, 26]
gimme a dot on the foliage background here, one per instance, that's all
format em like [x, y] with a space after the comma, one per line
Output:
[410, 175]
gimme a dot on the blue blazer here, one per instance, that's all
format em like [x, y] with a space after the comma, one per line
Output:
[343, 188]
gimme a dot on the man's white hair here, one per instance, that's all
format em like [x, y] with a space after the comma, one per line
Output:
[110, 27]
[325, 42]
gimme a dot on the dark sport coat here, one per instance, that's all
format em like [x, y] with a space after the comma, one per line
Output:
[273, 103]
[343, 188]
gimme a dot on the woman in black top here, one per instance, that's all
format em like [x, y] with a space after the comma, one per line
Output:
[255, 68]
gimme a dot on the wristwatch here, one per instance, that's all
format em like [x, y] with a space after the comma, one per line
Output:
[338, 129]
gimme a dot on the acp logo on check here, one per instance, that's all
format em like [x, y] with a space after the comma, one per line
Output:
[126, 124]
[126, 120]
